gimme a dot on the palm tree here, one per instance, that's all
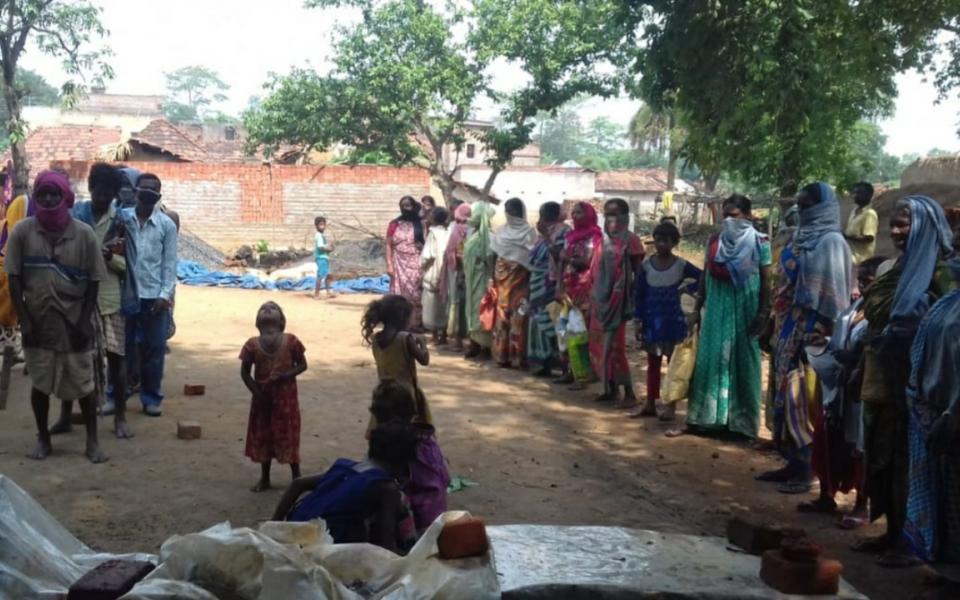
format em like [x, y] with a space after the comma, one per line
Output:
[660, 132]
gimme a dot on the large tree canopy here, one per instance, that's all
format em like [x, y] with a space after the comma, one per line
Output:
[407, 77]
[59, 28]
[192, 94]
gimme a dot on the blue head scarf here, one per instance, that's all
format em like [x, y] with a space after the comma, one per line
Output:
[825, 277]
[739, 250]
[930, 240]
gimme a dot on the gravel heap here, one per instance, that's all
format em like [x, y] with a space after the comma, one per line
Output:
[192, 247]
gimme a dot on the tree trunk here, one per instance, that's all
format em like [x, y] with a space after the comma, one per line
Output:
[16, 130]
[446, 184]
[673, 154]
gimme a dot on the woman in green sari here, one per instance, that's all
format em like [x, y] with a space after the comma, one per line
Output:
[478, 262]
[725, 391]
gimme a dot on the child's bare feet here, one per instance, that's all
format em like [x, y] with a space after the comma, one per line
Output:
[42, 450]
[121, 429]
[262, 486]
[94, 454]
[61, 426]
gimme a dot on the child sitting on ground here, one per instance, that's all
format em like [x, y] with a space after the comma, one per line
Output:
[270, 365]
[397, 351]
[321, 253]
[361, 501]
[660, 322]
[427, 485]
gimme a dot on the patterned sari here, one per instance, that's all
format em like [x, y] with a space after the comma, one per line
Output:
[510, 332]
[477, 270]
[542, 348]
[407, 280]
[612, 306]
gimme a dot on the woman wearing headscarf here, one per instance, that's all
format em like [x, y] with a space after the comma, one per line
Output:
[894, 306]
[579, 261]
[814, 289]
[478, 261]
[725, 391]
[404, 243]
[512, 244]
[543, 353]
[612, 304]
[933, 399]
[452, 281]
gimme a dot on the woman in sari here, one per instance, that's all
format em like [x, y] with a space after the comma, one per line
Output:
[612, 304]
[405, 240]
[452, 281]
[478, 261]
[512, 243]
[933, 503]
[543, 353]
[579, 261]
[725, 391]
[894, 306]
[814, 289]
[431, 262]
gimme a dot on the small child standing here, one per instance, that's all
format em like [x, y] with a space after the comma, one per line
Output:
[321, 253]
[426, 486]
[661, 324]
[397, 351]
[270, 365]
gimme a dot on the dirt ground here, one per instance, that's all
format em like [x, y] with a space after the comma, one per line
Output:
[540, 454]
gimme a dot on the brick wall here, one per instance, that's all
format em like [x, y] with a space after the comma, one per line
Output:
[229, 205]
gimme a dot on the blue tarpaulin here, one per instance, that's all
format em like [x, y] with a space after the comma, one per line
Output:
[191, 273]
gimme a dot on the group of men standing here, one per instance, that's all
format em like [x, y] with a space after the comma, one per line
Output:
[92, 287]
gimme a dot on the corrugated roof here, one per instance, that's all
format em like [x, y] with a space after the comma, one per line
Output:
[121, 104]
[633, 180]
[538, 168]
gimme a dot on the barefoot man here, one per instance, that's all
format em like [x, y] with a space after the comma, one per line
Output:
[55, 266]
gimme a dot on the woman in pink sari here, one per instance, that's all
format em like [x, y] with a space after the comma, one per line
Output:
[405, 238]
[579, 262]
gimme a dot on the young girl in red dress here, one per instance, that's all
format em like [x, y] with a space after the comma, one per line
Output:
[270, 365]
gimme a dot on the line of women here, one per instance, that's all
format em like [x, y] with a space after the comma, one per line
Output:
[554, 298]
[863, 394]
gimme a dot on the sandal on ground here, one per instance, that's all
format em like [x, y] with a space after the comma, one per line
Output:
[764, 446]
[870, 545]
[675, 433]
[776, 476]
[822, 506]
[645, 412]
[849, 522]
[605, 398]
[796, 487]
[896, 560]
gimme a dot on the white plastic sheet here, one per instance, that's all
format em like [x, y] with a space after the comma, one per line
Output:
[39, 558]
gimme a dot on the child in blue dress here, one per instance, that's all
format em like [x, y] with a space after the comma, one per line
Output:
[660, 320]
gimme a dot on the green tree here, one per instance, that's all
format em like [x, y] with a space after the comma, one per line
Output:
[659, 131]
[58, 28]
[770, 91]
[35, 91]
[561, 136]
[192, 93]
[605, 135]
[406, 78]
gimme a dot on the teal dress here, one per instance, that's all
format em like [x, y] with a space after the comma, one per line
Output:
[725, 392]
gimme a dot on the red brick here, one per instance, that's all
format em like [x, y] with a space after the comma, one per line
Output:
[821, 577]
[757, 538]
[188, 430]
[462, 538]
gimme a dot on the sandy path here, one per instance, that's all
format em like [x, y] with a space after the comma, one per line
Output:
[540, 454]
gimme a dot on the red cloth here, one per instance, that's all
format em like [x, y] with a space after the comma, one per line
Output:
[654, 363]
[273, 432]
[835, 462]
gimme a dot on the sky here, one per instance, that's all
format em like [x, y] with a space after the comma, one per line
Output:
[252, 39]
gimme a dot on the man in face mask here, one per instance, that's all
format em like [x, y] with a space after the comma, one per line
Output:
[155, 269]
[55, 265]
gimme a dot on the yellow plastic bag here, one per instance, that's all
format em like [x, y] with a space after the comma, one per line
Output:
[680, 371]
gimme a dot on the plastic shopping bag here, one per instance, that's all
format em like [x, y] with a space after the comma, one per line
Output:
[680, 371]
[578, 351]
